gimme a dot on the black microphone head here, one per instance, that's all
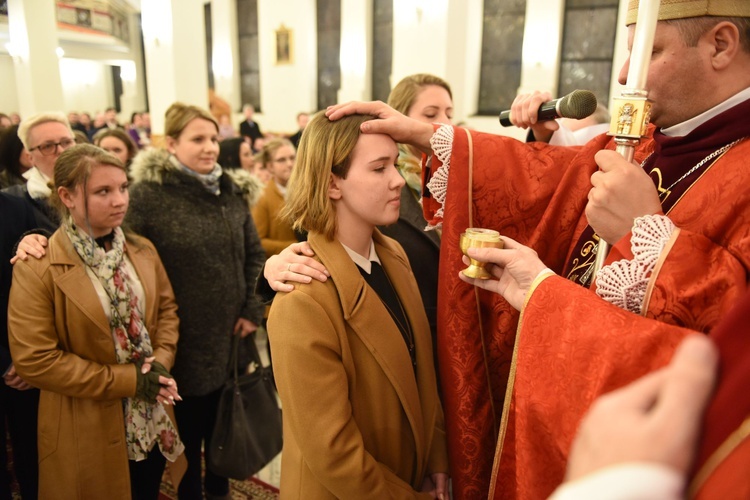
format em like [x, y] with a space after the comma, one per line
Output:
[578, 104]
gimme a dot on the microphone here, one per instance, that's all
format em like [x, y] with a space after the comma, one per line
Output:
[578, 104]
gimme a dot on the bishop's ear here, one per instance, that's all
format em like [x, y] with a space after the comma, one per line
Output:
[724, 42]
[334, 189]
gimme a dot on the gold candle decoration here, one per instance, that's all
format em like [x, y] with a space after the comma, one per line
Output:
[476, 237]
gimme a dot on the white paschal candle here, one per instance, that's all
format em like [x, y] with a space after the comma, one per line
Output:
[643, 44]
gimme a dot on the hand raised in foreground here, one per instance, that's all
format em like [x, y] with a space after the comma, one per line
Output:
[654, 419]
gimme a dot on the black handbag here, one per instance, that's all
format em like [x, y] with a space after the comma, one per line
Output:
[247, 433]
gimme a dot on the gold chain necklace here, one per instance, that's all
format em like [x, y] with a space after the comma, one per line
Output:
[698, 165]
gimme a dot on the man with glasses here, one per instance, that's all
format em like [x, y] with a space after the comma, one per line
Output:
[25, 210]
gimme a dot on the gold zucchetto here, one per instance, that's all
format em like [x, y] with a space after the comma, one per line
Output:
[681, 9]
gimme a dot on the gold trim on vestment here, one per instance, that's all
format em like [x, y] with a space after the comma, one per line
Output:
[511, 382]
[657, 269]
[722, 452]
[664, 254]
[470, 143]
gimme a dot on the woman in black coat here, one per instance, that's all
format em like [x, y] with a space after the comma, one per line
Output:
[200, 224]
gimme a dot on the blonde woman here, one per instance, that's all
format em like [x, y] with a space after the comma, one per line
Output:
[426, 98]
[93, 324]
[353, 356]
[275, 234]
[201, 225]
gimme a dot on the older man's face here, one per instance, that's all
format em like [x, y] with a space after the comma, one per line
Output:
[45, 135]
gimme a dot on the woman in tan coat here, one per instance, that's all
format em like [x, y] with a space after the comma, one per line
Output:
[353, 356]
[275, 233]
[93, 324]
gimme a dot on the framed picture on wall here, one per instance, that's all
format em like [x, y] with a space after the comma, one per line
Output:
[284, 45]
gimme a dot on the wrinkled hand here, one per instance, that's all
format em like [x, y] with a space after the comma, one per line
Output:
[524, 113]
[436, 484]
[244, 327]
[621, 192]
[390, 122]
[655, 419]
[14, 381]
[294, 263]
[31, 245]
[516, 267]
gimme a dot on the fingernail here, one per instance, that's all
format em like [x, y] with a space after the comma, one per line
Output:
[143, 370]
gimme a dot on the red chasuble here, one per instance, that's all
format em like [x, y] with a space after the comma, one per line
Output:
[722, 468]
[536, 194]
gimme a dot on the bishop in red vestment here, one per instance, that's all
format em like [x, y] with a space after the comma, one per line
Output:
[681, 262]
[684, 264]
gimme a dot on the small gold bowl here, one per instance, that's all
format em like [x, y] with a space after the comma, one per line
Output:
[476, 237]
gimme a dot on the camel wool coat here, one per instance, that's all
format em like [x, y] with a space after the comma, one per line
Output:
[61, 342]
[358, 422]
[275, 234]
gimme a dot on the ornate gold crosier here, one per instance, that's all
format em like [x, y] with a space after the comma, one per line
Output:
[631, 117]
[632, 110]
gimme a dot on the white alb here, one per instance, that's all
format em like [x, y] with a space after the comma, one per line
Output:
[623, 283]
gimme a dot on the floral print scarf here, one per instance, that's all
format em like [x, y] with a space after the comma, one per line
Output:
[145, 423]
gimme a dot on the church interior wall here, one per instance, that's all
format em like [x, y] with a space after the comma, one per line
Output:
[440, 36]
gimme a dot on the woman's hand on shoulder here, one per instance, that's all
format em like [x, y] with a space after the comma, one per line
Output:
[294, 263]
[31, 245]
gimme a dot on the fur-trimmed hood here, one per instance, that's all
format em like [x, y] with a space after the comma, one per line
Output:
[150, 166]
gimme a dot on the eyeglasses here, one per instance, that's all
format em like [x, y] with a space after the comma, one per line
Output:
[49, 148]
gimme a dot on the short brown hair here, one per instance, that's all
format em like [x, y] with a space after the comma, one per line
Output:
[325, 150]
[120, 134]
[691, 29]
[179, 115]
[405, 92]
[73, 168]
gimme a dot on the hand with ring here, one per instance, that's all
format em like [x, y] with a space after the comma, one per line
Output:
[294, 264]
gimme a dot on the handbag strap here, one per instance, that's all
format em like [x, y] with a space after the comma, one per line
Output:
[234, 356]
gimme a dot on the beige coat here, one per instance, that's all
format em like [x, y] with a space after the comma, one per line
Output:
[357, 423]
[275, 234]
[61, 342]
